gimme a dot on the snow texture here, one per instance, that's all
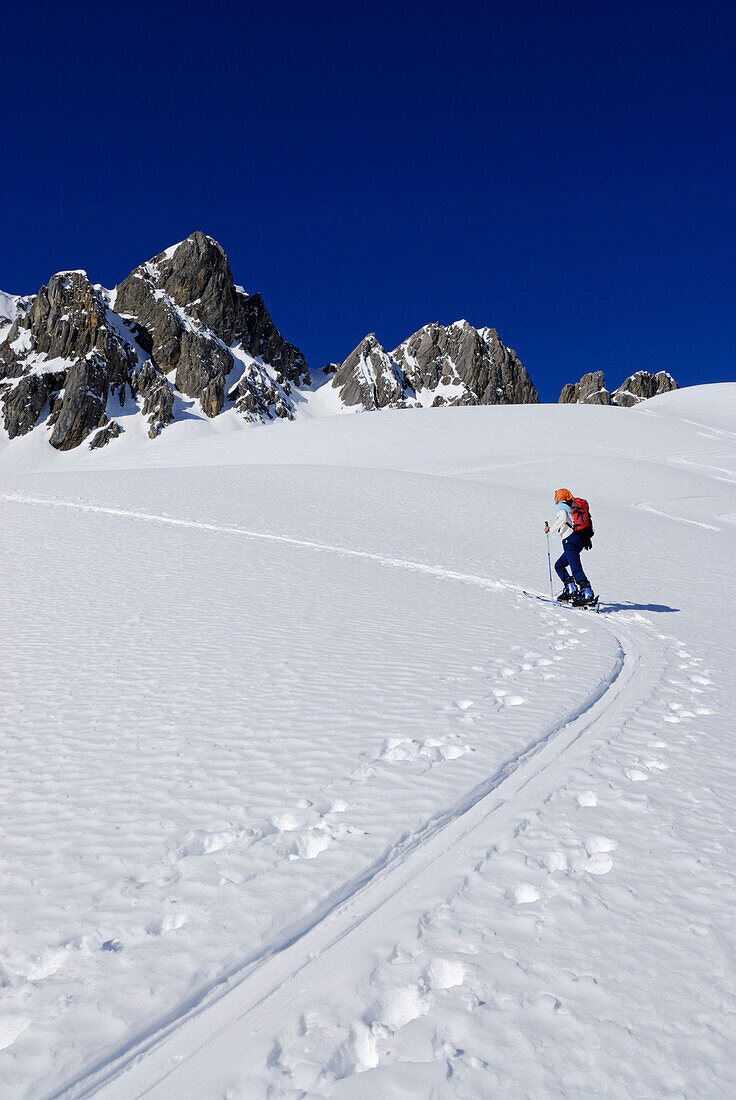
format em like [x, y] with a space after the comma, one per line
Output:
[303, 798]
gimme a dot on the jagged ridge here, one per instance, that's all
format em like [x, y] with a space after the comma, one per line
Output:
[177, 324]
[640, 386]
[178, 333]
[438, 365]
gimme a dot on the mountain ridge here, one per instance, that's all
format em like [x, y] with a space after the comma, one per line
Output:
[179, 337]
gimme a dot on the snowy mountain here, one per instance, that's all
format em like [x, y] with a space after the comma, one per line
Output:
[438, 365]
[303, 796]
[641, 386]
[215, 341]
[178, 340]
[177, 327]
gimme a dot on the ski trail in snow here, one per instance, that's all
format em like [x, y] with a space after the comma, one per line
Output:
[261, 986]
[249, 986]
[310, 544]
[254, 980]
[645, 506]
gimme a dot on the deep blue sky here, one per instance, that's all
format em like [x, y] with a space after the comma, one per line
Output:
[565, 172]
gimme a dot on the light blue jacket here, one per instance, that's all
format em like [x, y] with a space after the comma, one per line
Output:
[564, 523]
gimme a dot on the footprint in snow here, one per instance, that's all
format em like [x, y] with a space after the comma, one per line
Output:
[444, 974]
[599, 864]
[600, 844]
[286, 822]
[505, 699]
[587, 798]
[525, 894]
[636, 775]
[397, 1007]
[311, 844]
[433, 750]
[165, 924]
[556, 861]
[202, 843]
[599, 861]
[312, 839]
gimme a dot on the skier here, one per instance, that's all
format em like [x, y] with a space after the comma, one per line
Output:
[577, 588]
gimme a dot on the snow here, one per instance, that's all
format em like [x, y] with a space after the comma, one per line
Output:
[8, 309]
[320, 399]
[304, 798]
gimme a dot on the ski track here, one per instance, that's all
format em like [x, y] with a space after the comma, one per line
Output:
[150, 517]
[539, 767]
[645, 506]
[263, 988]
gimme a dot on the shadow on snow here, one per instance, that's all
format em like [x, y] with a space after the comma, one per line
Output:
[662, 607]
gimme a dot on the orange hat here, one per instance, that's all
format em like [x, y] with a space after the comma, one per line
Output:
[562, 494]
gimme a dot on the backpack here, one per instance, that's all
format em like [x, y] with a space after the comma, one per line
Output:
[583, 522]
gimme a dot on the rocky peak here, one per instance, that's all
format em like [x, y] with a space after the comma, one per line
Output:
[189, 314]
[591, 389]
[462, 365]
[643, 385]
[62, 349]
[439, 365]
[370, 377]
[261, 339]
[195, 276]
[178, 324]
[67, 320]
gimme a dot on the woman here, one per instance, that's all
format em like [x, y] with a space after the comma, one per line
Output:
[577, 587]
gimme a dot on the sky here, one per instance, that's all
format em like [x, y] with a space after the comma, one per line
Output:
[564, 172]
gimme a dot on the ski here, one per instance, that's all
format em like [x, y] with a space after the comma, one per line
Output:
[561, 603]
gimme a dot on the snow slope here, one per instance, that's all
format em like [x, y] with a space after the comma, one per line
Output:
[306, 799]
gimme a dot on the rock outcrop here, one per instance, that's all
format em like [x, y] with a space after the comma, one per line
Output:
[591, 389]
[371, 378]
[188, 314]
[643, 385]
[461, 365]
[438, 365]
[62, 349]
[157, 395]
[178, 338]
[177, 324]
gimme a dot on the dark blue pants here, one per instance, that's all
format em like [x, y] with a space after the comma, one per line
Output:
[570, 560]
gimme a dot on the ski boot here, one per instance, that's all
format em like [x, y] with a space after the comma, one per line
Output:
[584, 598]
[569, 592]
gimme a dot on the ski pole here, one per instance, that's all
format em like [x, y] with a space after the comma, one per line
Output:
[549, 559]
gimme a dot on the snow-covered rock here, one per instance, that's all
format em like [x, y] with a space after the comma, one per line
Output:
[62, 355]
[642, 386]
[176, 327]
[371, 378]
[438, 365]
[460, 365]
[183, 340]
[8, 311]
[189, 314]
[591, 389]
